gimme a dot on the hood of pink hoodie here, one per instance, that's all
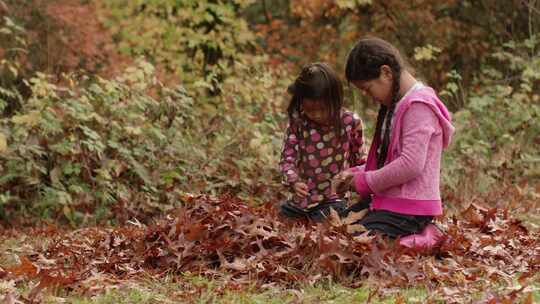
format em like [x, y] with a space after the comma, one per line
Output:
[427, 96]
[424, 95]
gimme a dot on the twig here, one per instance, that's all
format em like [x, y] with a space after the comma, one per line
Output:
[266, 12]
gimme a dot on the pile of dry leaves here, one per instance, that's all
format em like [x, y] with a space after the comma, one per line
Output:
[226, 239]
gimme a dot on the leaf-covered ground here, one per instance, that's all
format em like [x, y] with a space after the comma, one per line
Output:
[487, 256]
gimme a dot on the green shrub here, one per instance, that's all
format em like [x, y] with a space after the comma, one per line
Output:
[106, 146]
[498, 129]
[12, 53]
[93, 149]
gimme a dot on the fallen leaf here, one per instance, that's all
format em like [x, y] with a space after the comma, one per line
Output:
[25, 268]
[354, 217]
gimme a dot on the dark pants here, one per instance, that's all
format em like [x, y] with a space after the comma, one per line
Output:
[316, 214]
[389, 223]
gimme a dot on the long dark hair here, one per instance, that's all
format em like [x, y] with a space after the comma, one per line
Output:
[364, 63]
[318, 81]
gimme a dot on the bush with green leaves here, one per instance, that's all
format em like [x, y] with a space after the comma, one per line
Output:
[210, 50]
[193, 40]
[94, 149]
[105, 148]
[13, 50]
[498, 129]
[94, 144]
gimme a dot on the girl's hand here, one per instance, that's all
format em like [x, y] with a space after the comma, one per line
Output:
[300, 189]
[342, 181]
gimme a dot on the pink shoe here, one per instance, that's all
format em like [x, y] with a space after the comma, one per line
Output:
[429, 237]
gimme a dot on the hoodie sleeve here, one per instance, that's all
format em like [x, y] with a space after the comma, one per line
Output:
[418, 126]
[288, 164]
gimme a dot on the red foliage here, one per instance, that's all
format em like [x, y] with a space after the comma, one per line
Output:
[84, 41]
[300, 31]
[66, 36]
[224, 237]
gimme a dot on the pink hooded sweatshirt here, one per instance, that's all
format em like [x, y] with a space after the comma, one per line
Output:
[408, 183]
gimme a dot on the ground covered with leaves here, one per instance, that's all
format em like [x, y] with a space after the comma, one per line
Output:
[487, 255]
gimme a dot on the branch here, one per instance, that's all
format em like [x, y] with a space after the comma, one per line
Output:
[266, 12]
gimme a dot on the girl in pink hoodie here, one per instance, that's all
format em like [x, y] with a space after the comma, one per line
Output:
[400, 181]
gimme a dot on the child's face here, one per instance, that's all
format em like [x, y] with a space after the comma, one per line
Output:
[379, 89]
[315, 110]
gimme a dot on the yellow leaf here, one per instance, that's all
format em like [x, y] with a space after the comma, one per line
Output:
[356, 228]
[353, 217]
[134, 130]
[30, 119]
[55, 175]
[426, 53]
[334, 218]
[3, 143]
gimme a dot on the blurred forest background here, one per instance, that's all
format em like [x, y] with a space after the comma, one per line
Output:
[111, 110]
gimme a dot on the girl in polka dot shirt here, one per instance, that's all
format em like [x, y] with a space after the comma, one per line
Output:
[322, 139]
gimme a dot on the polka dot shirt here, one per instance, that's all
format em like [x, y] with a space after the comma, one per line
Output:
[313, 154]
